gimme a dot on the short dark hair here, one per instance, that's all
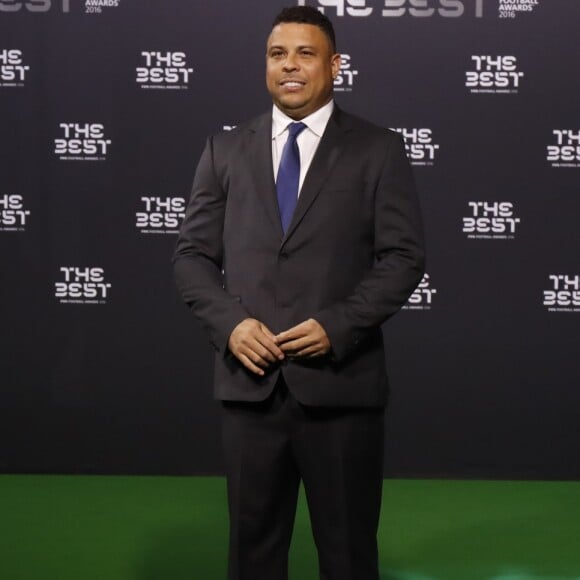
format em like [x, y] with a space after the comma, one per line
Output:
[307, 15]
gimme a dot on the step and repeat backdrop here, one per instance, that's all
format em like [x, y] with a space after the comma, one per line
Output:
[105, 106]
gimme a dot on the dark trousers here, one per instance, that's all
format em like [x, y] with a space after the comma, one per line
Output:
[338, 454]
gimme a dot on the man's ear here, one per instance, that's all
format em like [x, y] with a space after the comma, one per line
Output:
[335, 64]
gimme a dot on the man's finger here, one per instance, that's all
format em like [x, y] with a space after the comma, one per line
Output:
[296, 345]
[257, 354]
[262, 351]
[268, 332]
[268, 343]
[249, 364]
[291, 334]
[310, 351]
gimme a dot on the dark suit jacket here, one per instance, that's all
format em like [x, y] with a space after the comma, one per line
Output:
[350, 259]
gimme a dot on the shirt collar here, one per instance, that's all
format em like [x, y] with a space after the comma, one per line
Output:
[316, 121]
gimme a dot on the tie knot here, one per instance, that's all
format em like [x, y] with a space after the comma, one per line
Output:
[294, 129]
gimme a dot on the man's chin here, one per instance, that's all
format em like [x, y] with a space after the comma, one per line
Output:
[291, 104]
[291, 107]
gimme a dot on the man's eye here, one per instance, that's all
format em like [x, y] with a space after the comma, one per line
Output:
[276, 54]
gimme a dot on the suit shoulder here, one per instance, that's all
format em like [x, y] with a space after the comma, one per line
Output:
[232, 133]
[370, 129]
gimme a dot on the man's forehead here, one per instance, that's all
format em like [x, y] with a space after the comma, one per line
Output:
[295, 33]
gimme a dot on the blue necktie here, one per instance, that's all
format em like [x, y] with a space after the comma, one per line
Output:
[289, 175]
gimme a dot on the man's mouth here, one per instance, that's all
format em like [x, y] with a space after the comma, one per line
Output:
[292, 83]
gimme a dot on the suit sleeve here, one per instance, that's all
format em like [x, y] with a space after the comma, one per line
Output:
[199, 252]
[398, 259]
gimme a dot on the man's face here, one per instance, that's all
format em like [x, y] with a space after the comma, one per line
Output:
[300, 68]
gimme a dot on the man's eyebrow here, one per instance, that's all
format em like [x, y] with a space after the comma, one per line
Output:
[301, 47]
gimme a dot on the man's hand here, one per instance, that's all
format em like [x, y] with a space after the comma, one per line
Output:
[307, 339]
[254, 345]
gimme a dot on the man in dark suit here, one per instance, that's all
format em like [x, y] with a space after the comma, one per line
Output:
[302, 236]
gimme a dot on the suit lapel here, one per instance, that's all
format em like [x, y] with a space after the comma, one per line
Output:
[259, 158]
[324, 159]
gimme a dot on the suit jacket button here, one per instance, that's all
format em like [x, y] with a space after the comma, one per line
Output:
[283, 256]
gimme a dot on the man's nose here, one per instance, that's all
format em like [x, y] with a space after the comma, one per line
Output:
[290, 63]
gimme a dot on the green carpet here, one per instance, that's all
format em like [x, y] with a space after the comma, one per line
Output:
[169, 528]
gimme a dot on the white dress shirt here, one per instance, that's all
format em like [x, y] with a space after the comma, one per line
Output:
[307, 141]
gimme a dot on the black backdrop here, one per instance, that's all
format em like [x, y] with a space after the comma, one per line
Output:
[104, 109]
